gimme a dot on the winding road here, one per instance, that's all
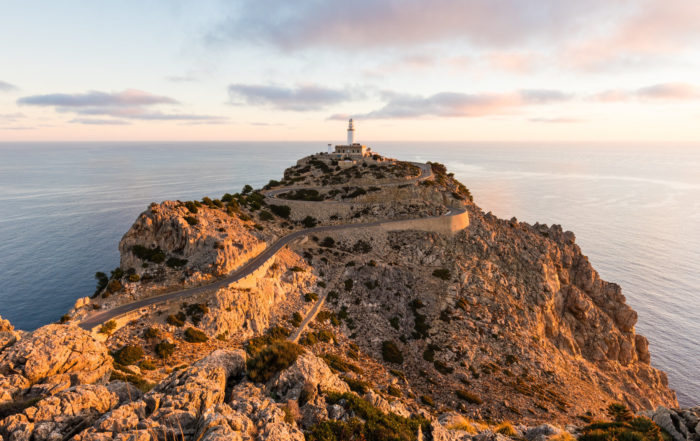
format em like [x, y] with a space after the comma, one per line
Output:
[253, 264]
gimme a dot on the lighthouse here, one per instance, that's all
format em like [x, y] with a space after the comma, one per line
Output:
[351, 133]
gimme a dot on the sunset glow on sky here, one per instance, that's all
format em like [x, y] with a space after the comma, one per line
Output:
[512, 70]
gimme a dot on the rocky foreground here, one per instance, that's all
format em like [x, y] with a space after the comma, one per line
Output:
[500, 330]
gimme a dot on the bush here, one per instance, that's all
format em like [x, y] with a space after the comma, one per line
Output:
[362, 247]
[272, 359]
[108, 327]
[348, 284]
[296, 319]
[193, 335]
[282, 211]
[114, 286]
[265, 215]
[191, 220]
[174, 262]
[425, 399]
[309, 222]
[370, 423]
[336, 363]
[311, 297]
[64, 318]
[327, 242]
[151, 332]
[442, 273]
[393, 391]
[391, 352]
[506, 428]
[155, 255]
[133, 278]
[128, 354]
[165, 349]
[102, 281]
[196, 312]
[147, 365]
[357, 386]
[192, 207]
[246, 189]
[273, 334]
[176, 320]
[467, 396]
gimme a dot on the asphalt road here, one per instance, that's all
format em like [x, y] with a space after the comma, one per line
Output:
[249, 267]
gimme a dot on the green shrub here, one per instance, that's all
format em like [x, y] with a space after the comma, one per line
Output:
[348, 284]
[191, 220]
[265, 215]
[442, 273]
[282, 211]
[467, 396]
[272, 359]
[393, 391]
[362, 247]
[192, 207]
[358, 386]
[311, 297]
[193, 335]
[176, 320]
[336, 363]
[309, 222]
[64, 318]
[391, 352]
[147, 365]
[114, 285]
[327, 242]
[175, 262]
[151, 332]
[137, 380]
[273, 334]
[246, 189]
[155, 254]
[165, 349]
[108, 327]
[133, 278]
[296, 319]
[196, 312]
[426, 399]
[102, 281]
[370, 423]
[128, 354]
[619, 412]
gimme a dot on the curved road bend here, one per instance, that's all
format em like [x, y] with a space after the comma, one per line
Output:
[247, 268]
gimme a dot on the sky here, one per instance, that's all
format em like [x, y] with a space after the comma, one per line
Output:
[441, 70]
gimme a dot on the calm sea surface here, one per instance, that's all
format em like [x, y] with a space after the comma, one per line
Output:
[635, 211]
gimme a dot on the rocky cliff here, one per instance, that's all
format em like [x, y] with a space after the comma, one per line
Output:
[502, 329]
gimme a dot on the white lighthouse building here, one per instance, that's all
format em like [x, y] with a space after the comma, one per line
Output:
[351, 133]
[352, 149]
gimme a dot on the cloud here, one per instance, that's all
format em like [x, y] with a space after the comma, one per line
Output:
[455, 104]
[99, 122]
[658, 92]
[301, 98]
[127, 98]
[7, 87]
[364, 24]
[130, 104]
[11, 117]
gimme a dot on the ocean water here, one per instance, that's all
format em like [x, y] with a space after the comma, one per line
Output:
[635, 210]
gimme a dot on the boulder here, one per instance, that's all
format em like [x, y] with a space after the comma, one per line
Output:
[541, 432]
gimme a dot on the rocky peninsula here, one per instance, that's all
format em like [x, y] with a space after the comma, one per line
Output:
[367, 299]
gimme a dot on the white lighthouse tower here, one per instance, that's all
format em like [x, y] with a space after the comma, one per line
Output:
[351, 133]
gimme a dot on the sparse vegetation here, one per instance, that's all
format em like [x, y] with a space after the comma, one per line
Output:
[176, 320]
[310, 297]
[506, 428]
[469, 397]
[175, 262]
[442, 273]
[273, 334]
[309, 222]
[128, 354]
[391, 352]
[164, 349]
[193, 335]
[108, 327]
[282, 211]
[272, 359]
[155, 254]
[624, 427]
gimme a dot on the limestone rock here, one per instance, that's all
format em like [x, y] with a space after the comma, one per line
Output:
[541, 432]
[306, 369]
[51, 359]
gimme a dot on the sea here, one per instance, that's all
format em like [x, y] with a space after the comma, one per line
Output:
[635, 210]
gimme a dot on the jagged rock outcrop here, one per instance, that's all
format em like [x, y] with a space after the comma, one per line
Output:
[215, 244]
[8, 335]
[49, 360]
[66, 413]
[307, 371]
[681, 424]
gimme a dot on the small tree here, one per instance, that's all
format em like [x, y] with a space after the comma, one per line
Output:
[108, 327]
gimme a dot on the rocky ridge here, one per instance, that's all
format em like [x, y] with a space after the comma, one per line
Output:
[423, 334]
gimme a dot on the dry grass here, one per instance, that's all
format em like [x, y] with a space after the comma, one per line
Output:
[506, 428]
[465, 425]
[564, 436]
